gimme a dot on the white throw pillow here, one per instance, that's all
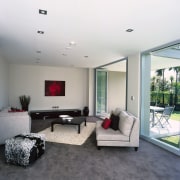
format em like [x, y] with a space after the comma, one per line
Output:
[125, 123]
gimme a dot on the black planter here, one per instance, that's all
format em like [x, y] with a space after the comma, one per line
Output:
[25, 108]
[86, 111]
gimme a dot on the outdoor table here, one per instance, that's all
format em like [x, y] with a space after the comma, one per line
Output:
[155, 109]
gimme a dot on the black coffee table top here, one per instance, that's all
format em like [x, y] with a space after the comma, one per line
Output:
[74, 121]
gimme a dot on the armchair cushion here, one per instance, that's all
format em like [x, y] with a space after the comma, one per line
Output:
[109, 134]
[125, 123]
[114, 122]
[117, 111]
[106, 123]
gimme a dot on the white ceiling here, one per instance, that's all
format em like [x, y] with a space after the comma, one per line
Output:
[163, 63]
[98, 27]
[117, 66]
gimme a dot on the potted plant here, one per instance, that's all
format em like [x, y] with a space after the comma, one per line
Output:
[24, 100]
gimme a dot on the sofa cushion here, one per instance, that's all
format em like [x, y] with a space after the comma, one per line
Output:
[106, 123]
[125, 123]
[114, 122]
[117, 111]
[109, 134]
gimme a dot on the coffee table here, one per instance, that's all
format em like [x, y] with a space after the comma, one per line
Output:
[74, 121]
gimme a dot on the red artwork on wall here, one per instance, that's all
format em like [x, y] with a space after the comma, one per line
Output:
[54, 88]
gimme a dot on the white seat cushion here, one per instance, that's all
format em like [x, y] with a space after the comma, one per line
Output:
[109, 134]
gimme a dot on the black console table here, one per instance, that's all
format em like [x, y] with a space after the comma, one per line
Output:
[54, 113]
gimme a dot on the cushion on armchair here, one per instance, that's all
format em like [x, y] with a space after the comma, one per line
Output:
[114, 122]
[125, 123]
[117, 111]
[106, 123]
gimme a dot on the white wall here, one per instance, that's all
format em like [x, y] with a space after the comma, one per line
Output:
[116, 90]
[3, 84]
[91, 91]
[29, 80]
[133, 105]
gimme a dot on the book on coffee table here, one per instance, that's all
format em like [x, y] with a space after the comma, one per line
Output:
[63, 116]
[66, 117]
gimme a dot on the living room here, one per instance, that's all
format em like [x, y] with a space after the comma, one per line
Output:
[70, 157]
[19, 76]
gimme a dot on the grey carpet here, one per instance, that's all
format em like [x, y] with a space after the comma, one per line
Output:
[70, 162]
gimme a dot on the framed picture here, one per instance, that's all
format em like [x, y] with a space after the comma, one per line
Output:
[54, 88]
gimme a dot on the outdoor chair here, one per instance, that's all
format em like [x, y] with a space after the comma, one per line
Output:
[163, 118]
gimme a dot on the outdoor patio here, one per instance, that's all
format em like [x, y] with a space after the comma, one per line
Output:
[173, 128]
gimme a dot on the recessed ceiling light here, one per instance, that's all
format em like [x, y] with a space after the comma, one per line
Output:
[86, 56]
[129, 30]
[40, 32]
[72, 43]
[41, 11]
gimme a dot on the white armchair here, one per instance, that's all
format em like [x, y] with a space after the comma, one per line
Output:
[127, 134]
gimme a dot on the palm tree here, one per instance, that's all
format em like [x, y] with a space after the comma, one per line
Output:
[160, 72]
[171, 79]
[171, 90]
[153, 83]
[177, 71]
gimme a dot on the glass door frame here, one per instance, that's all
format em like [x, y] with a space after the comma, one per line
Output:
[103, 68]
[145, 98]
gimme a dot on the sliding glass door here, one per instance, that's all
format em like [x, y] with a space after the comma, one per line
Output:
[160, 89]
[111, 87]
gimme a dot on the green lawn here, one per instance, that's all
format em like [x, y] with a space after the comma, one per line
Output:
[175, 116]
[171, 140]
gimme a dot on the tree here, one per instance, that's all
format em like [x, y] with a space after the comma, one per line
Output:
[171, 79]
[160, 73]
[153, 83]
[177, 71]
[171, 91]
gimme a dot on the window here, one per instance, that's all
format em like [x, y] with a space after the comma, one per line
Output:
[101, 91]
